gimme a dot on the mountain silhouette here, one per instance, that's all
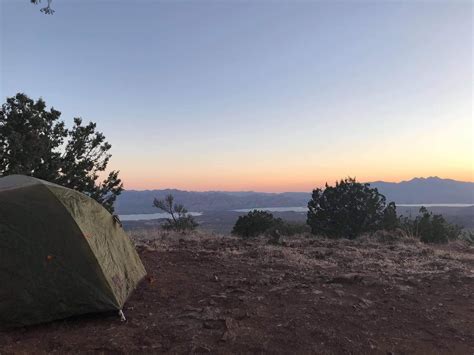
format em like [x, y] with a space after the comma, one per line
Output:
[431, 190]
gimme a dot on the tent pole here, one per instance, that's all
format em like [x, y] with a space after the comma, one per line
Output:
[122, 316]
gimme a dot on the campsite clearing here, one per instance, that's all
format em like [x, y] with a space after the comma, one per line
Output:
[221, 294]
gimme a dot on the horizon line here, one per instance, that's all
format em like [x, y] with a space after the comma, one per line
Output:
[434, 177]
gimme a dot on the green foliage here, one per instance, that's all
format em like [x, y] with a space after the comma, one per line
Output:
[180, 220]
[34, 142]
[390, 220]
[254, 223]
[259, 222]
[431, 228]
[349, 209]
[467, 236]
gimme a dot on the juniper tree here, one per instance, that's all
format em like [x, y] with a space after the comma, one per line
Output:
[35, 142]
[348, 209]
[254, 223]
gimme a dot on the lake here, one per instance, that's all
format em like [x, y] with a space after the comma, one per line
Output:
[435, 205]
[148, 216]
[305, 208]
[275, 209]
[300, 209]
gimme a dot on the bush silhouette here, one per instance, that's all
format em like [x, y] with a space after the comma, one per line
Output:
[259, 222]
[254, 223]
[431, 228]
[349, 209]
[390, 220]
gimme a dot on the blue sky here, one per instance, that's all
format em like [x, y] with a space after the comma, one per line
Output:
[263, 95]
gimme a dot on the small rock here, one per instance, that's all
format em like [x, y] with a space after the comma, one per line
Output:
[201, 350]
[209, 324]
[229, 334]
[346, 279]
[365, 303]
[193, 309]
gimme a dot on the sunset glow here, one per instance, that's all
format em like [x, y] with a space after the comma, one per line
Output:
[265, 96]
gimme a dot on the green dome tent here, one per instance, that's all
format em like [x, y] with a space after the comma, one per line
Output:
[61, 254]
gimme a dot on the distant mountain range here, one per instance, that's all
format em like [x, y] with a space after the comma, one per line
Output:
[427, 190]
[430, 190]
[131, 202]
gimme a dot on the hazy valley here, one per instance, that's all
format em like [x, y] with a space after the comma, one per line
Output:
[218, 210]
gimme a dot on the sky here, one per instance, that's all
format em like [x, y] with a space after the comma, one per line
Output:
[254, 95]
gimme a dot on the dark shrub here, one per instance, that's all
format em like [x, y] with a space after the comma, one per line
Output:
[431, 228]
[348, 210]
[254, 223]
[390, 220]
[467, 236]
[259, 222]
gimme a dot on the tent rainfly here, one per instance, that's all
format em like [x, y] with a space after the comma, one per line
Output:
[61, 254]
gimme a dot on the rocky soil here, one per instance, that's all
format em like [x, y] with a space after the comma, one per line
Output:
[211, 294]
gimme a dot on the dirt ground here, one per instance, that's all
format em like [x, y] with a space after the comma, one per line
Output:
[224, 295]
